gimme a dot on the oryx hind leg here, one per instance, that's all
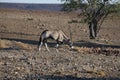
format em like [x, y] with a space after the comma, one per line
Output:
[40, 46]
[45, 42]
[47, 47]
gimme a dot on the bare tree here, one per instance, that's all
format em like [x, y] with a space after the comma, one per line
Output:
[94, 12]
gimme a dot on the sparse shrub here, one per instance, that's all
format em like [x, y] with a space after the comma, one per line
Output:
[73, 21]
[23, 45]
[30, 18]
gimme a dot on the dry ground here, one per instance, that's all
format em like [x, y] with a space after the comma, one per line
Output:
[90, 59]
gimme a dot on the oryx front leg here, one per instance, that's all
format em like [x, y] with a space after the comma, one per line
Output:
[47, 47]
[57, 45]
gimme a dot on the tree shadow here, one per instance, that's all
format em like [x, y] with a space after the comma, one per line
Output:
[30, 42]
[94, 45]
[18, 33]
[66, 77]
[7, 48]
[52, 44]
[33, 42]
[53, 77]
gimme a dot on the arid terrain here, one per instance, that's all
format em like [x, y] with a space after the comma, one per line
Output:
[97, 59]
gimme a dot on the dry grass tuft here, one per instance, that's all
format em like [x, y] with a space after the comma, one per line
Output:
[101, 73]
[7, 44]
[82, 49]
[23, 45]
[98, 73]
[3, 44]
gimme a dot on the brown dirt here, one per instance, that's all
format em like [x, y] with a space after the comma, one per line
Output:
[90, 59]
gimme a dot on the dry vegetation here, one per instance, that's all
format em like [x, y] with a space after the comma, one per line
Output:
[90, 59]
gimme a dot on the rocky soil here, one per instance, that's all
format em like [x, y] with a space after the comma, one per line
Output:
[20, 59]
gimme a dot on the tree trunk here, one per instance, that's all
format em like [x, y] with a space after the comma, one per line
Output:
[93, 29]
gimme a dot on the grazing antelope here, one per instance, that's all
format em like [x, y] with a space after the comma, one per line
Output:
[56, 35]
